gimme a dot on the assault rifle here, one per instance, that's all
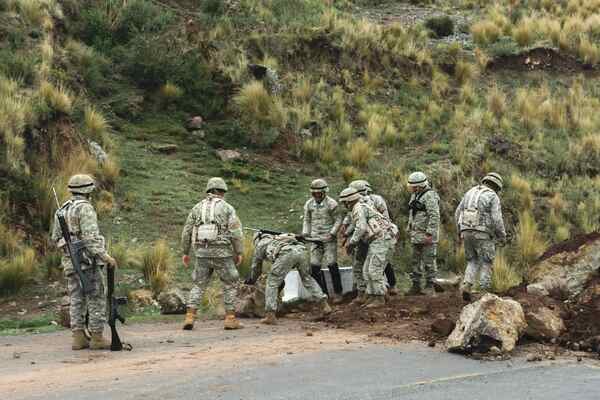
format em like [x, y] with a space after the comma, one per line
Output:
[113, 308]
[74, 248]
[300, 238]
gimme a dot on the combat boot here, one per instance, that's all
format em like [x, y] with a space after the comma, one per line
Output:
[375, 301]
[336, 299]
[269, 319]
[98, 342]
[415, 289]
[231, 322]
[392, 291]
[80, 342]
[325, 308]
[466, 291]
[429, 290]
[359, 300]
[190, 316]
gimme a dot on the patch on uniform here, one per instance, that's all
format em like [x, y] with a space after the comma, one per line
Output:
[235, 225]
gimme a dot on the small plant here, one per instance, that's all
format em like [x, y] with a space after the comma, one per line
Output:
[360, 152]
[170, 92]
[529, 243]
[485, 32]
[156, 266]
[441, 26]
[57, 97]
[349, 173]
[95, 124]
[16, 271]
[504, 277]
[521, 190]
[465, 72]
[523, 33]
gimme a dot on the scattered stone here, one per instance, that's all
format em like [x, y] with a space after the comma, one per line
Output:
[443, 326]
[228, 155]
[544, 323]
[494, 350]
[195, 123]
[533, 357]
[166, 148]
[431, 343]
[579, 358]
[140, 297]
[448, 284]
[170, 341]
[98, 152]
[575, 347]
[490, 321]
[309, 333]
[172, 302]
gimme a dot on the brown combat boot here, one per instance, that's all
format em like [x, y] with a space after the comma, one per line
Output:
[336, 299]
[98, 342]
[375, 301]
[325, 307]
[80, 342]
[466, 291]
[415, 289]
[359, 300]
[231, 322]
[393, 291]
[190, 316]
[269, 319]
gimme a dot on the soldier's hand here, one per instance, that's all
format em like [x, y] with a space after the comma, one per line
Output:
[186, 260]
[428, 239]
[238, 260]
[111, 262]
[350, 249]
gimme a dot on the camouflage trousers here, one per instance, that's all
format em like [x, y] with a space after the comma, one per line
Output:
[358, 261]
[323, 255]
[423, 261]
[287, 259]
[228, 274]
[479, 254]
[94, 303]
[377, 258]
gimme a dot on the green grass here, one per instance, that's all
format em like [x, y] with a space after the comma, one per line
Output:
[42, 324]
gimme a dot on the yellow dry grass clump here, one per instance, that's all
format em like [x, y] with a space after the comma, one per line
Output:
[17, 270]
[57, 97]
[504, 276]
[95, 124]
[156, 266]
[360, 152]
[170, 92]
[529, 243]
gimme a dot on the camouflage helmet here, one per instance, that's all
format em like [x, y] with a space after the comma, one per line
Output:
[417, 179]
[361, 186]
[81, 184]
[494, 178]
[349, 195]
[258, 236]
[216, 184]
[319, 186]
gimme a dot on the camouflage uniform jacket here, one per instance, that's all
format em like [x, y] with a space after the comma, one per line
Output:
[369, 224]
[229, 239]
[83, 225]
[269, 248]
[321, 219]
[379, 204]
[424, 216]
[375, 201]
[490, 213]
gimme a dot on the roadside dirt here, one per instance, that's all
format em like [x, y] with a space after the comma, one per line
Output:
[537, 59]
[570, 246]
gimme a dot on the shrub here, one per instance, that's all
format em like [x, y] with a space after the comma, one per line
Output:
[585, 155]
[359, 152]
[32, 11]
[529, 243]
[504, 277]
[465, 72]
[524, 33]
[57, 97]
[15, 272]
[156, 264]
[441, 26]
[485, 32]
[520, 192]
[95, 125]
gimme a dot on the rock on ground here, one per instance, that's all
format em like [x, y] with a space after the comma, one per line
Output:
[172, 302]
[166, 148]
[491, 321]
[228, 155]
[141, 297]
[195, 123]
[544, 323]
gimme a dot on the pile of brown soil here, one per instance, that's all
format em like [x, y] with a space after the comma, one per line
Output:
[537, 59]
[583, 316]
[570, 246]
[403, 317]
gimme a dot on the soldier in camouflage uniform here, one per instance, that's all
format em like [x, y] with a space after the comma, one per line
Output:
[379, 233]
[83, 225]
[322, 221]
[286, 253]
[480, 224]
[423, 228]
[213, 232]
[380, 205]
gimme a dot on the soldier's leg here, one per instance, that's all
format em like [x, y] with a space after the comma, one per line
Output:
[374, 266]
[330, 258]
[472, 268]
[487, 254]
[200, 277]
[279, 270]
[316, 261]
[97, 302]
[358, 261]
[310, 284]
[78, 306]
[230, 278]
[430, 263]
[416, 272]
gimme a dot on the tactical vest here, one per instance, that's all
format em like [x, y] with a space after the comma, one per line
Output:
[378, 224]
[71, 212]
[321, 218]
[470, 216]
[207, 230]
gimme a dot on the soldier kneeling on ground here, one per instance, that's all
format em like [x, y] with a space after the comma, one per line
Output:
[286, 253]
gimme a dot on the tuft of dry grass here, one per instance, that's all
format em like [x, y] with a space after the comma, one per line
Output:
[485, 32]
[16, 271]
[521, 191]
[524, 32]
[95, 124]
[465, 72]
[529, 244]
[496, 100]
[57, 97]
[349, 174]
[359, 152]
[170, 92]
[156, 266]
[504, 276]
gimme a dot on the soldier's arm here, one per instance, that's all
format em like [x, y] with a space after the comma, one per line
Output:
[432, 206]
[257, 261]
[90, 233]
[235, 231]
[360, 225]
[458, 211]
[383, 208]
[186, 234]
[337, 223]
[55, 233]
[306, 223]
[497, 221]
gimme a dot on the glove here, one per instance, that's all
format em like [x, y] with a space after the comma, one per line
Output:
[250, 281]
[111, 262]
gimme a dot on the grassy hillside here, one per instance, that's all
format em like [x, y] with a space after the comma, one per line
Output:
[372, 89]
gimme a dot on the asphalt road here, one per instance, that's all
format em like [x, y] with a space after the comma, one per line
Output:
[279, 363]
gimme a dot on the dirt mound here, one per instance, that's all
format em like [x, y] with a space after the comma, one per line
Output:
[536, 60]
[571, 245]
[583, 316]
[402, 318]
